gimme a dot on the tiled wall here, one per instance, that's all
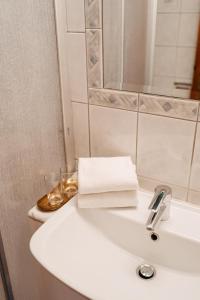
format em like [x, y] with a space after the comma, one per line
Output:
[161, 134]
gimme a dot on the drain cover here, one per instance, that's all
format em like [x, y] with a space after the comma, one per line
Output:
[146, 271]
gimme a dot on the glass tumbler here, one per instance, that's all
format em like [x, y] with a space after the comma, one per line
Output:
[54, 189]
[69, 184]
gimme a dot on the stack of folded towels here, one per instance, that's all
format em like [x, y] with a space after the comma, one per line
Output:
[107, 182]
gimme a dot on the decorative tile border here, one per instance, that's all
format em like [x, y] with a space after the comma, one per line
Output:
[94, 58]
[114, 99]
[170, 107]
[93, 14]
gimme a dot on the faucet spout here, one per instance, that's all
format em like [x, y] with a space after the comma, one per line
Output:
[159, 207]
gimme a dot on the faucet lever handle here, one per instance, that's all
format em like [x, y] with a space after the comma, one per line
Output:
[161, 192]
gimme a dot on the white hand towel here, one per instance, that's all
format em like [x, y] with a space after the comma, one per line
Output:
[111, 199]
[106, 174]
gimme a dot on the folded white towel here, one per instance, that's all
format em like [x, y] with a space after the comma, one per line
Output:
[111, 199]
[106, 174]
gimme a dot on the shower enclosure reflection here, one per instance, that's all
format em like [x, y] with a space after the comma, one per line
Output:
[2, 293]
[5, 285]
[152, 46]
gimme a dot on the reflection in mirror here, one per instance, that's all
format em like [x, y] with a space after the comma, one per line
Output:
[152, 46]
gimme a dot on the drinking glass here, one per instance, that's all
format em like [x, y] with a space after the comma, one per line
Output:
[69, 184]
[54, 189]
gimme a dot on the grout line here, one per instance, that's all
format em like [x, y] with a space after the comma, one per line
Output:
[101, 58]
[66, 16]
[74, 32]
[194, 190]
[179, 12]
[79, 101]
[89, 131]
[102, 42]
[87, 78]
[137, 127]
[88, 28]
[192, 157]
[174, 46]
[101, 9]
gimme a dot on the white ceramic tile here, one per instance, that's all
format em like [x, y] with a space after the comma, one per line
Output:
[167, 27]
[169, 5]
[148, 185]
[185, 62]
[194, 197]
[112, 132]
[75, 15]
[188, 32]
[195, 173]
[77, 66]
[190, 6]
[163, 85]
[165, 148]
[164, 61]
[81, 129]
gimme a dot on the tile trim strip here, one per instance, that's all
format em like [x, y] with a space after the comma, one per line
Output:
[155, 105]
[113, 99]
[169, 107]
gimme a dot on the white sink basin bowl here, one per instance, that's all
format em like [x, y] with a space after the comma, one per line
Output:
[97, 252]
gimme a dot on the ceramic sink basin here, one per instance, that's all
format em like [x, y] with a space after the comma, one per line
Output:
[97, 251]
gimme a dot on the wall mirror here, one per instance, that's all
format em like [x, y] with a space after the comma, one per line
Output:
[152, 46]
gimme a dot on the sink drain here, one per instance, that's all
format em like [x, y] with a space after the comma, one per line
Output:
[146, 271]
[154, 236]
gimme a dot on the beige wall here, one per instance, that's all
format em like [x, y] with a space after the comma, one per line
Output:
[31, 129]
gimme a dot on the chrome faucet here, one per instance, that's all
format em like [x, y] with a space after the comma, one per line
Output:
[159, 206]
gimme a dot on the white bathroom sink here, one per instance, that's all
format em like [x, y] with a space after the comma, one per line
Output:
[97, 252]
